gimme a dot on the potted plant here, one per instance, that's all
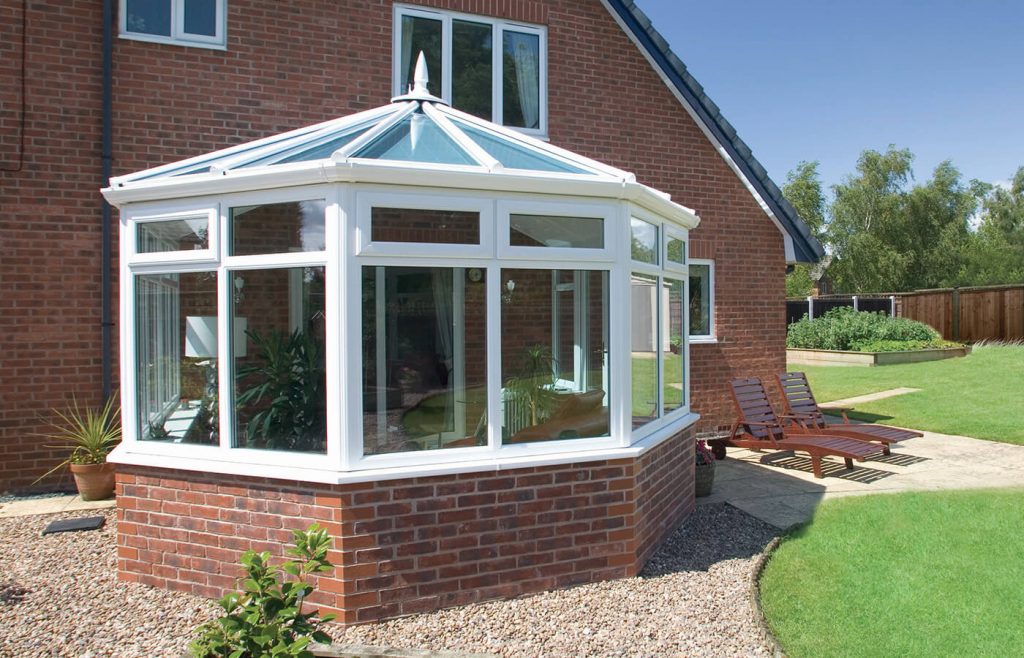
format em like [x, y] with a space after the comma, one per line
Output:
[704, 469]
[535, 382]
[89, 434]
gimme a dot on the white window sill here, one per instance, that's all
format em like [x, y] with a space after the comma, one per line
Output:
[139, 457]
[695, 340]
[170, 41]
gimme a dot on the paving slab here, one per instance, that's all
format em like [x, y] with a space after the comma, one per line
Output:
[780, 488]
[51, 505]
[870, 397]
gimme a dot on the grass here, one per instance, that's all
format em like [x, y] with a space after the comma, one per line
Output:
[915, 574]
[980, 395]
[645, 385]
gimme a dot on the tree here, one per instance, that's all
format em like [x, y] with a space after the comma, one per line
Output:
[803, 190]
[996, 253]
[887, 236]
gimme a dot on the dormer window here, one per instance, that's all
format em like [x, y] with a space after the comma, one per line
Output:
[496, 70]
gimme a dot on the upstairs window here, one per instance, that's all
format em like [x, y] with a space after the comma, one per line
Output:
[496, 70]
[184, 22]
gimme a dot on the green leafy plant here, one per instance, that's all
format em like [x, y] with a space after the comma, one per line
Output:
[286, 395]
[535, 380]
[89, 434]
[845, 329]
[266, 618]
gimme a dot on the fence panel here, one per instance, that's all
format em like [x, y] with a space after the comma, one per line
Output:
[934, 308]
[795, 309]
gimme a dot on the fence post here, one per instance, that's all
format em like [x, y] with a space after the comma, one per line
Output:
[810, 307]
[956, 314]
[855, 303]
[892, 306]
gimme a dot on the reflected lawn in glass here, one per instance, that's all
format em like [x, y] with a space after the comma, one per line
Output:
[645, 377]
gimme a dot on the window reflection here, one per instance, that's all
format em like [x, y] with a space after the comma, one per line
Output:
[276, 228]
[424, 358]
[554, 355]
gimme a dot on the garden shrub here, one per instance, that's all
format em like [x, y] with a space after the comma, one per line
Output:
[846, 329]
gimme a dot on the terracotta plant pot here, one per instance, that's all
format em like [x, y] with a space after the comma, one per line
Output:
[94, 481]
[704, 477]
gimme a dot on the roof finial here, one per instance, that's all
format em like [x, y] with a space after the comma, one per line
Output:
[421, 78]
[418, 91]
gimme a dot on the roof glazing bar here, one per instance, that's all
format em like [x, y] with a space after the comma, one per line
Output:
[403, 111]
[472, 148]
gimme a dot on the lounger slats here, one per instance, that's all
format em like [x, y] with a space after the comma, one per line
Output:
[796, 391]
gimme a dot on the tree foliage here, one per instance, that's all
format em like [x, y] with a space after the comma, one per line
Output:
[886, 233]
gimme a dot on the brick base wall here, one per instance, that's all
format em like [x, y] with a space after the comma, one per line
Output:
[415, 545]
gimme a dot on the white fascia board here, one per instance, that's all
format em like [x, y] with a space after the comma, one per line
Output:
[786, 237]
[399, 174]
[122, 455]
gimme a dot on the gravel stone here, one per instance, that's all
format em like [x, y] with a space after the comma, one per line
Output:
[59, 596]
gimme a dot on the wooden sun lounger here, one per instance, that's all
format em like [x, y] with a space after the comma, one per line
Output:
[806, 416]
[758, 428]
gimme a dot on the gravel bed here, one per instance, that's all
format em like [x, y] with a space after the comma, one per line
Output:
[59, 596]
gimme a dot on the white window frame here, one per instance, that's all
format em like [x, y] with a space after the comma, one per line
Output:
[711, 336]
[208, 212]
[662, 270]
[422, 199]
[560, 208]
[498, 27]
[178, 36]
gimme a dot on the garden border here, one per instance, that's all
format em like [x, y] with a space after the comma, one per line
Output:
[872, 359]
[763, 628]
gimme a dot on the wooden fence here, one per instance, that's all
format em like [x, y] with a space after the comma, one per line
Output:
[969, 314]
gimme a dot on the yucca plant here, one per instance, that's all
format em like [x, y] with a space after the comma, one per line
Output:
[88, 433]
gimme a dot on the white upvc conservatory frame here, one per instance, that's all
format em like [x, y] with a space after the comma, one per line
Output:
[349, 187]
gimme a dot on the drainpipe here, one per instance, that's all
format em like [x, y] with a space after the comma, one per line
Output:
[106, 160]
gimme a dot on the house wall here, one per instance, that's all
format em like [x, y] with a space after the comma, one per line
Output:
[414, 545]
[292, 64]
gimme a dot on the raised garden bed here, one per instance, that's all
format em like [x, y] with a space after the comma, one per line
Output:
[871, 359]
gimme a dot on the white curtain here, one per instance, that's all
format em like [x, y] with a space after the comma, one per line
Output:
[441, 285]
[405, 76]
[525, 54]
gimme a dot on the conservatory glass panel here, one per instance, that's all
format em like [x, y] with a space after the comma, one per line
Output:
[148, 17]
[275, 228]
[173, 235]
[673, 353]
[675, 251]
[553, 231]
[424, 359]
[418, 35]
[554, 355]
[472, 64]
[514, 156]
[424, 226]
[279, 371]
[316, 151]
[645, 301]
[700, 300]
[176, 357]
[416, 139]
[644, 241]
[521, 80]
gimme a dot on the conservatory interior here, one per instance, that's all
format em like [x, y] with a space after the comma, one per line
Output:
[403, 295]
[410, 287]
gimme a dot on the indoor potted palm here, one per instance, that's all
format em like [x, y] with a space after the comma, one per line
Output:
[89, 434]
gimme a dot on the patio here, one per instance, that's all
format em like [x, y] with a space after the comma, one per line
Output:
[780, 489]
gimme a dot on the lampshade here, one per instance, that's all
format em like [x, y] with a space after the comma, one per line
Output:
[201, 336]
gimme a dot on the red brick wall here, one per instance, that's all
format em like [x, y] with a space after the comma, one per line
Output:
[289, 65]
[407, 546]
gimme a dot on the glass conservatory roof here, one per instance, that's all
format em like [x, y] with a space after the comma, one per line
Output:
[416, 128]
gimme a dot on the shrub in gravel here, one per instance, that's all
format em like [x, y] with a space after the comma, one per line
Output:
[845, 329]
[266, 618]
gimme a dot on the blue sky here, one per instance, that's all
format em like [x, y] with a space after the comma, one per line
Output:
[824, 80]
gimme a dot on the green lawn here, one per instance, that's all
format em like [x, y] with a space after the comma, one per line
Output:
[915, 574]
[645, 383]
[981, 395]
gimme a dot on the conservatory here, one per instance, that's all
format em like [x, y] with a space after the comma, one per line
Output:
[410, 292]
